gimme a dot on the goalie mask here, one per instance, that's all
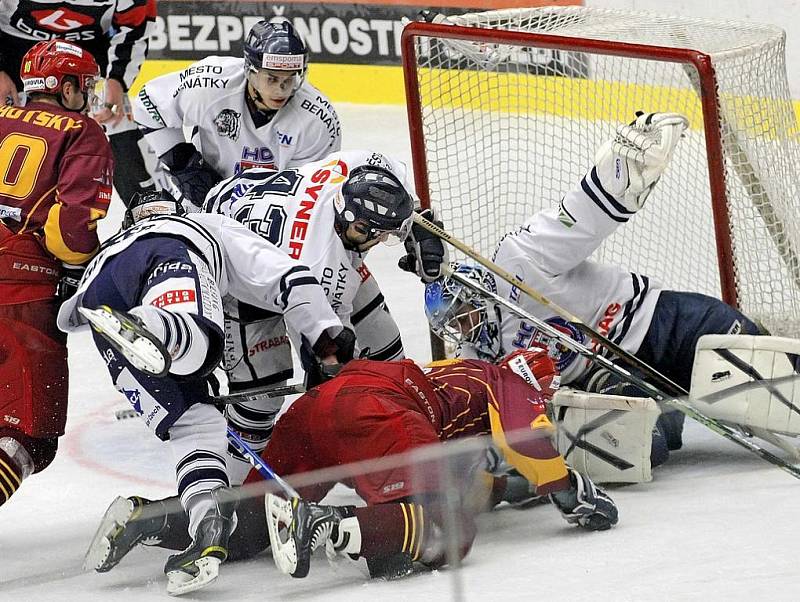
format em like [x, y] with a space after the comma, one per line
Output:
[147, 204]
[276, 60]
[377, 205]
[459, 315]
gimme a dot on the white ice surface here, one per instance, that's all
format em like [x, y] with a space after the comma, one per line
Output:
[717, 523]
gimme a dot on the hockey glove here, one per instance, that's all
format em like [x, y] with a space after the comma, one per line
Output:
[190, 175]
[68, 283]
[342, 346]
[631, 163]
[585, 504]
[426, 254]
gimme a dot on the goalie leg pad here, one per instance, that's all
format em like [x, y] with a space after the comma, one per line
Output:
[748, 380]
[607, 437]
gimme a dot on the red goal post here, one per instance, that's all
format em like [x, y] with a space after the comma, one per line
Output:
[506, 109]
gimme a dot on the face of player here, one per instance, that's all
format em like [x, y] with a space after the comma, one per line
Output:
[74, 99]
[466, 323]
[270, 90]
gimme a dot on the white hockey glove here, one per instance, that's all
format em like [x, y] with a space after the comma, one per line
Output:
[631, 163]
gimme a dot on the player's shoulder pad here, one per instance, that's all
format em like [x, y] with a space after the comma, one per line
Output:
[211, 74]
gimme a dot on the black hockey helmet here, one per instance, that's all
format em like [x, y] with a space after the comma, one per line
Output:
[376, 200]
[147, 204]
[275, 46]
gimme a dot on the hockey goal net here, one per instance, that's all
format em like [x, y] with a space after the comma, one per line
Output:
[507, 108]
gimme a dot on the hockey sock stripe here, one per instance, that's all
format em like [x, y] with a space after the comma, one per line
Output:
[405, 530]
[8, 472]
[10, 480]
[198, 457]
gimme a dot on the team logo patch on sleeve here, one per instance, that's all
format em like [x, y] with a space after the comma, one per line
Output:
[227, 123]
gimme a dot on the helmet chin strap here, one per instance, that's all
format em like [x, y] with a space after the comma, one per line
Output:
[60, 100]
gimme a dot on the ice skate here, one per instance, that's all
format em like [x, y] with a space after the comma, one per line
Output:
[308, 526]
[198, 565]
[126, 523]
[128, 336]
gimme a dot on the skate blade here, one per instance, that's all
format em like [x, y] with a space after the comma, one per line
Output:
[279, 513]
[180, 582]
[143, 353]
[116, 517]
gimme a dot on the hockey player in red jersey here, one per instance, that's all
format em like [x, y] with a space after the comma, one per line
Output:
[375, 409]
[56, 165]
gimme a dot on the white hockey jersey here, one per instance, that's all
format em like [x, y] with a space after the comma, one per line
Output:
[294, 210]
[243, 265]
[550, 253]
[207, 103]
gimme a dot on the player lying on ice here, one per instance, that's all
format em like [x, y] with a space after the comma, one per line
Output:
[153, 295]
[371, 410]
[550, 252]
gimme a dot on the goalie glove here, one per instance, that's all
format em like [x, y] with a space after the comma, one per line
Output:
[426, 254]
[631, 163]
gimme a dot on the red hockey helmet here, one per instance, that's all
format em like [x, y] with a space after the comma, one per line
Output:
[46, 63]
[537, 368]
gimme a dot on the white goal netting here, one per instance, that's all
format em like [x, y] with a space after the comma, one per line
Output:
[510, 125]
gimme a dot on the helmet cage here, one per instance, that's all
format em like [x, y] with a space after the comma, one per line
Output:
[459, 315]
[376, 203]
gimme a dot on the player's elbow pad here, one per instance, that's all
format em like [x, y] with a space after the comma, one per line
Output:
[189, 172]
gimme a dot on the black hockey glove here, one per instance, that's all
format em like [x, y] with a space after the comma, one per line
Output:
[190, 174]
[342, 346]
[68, 283]
[426, 254]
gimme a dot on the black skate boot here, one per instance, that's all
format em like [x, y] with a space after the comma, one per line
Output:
[585, 504]
[198, 565]
[127, 523]
[127, 334]
[309, 526]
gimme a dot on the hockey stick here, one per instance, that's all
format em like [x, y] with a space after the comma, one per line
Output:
[676, 402]
[244, 396]
[255, 460]
[665, 383]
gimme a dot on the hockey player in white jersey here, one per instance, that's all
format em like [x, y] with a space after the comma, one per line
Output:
[153, 296]
[327, 214]
[256, 111]
[550, 252]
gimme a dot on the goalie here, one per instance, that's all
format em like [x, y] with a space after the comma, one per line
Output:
[551, 251]
[371, 410]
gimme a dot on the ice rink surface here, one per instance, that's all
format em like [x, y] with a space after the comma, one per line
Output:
[716, 523]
